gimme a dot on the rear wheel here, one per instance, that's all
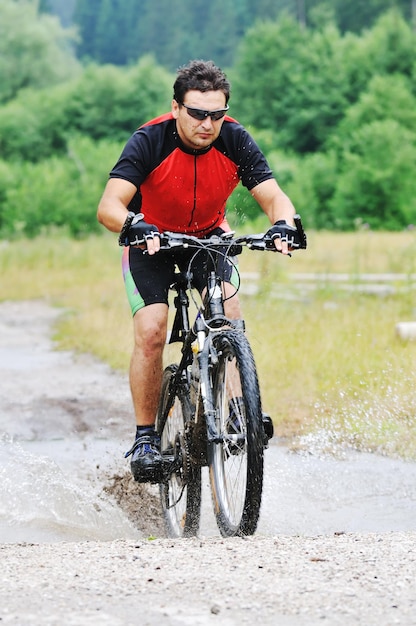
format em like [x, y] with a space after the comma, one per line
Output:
[180, 492]
[236, 463]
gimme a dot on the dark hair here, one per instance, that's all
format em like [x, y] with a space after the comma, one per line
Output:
[201, 76]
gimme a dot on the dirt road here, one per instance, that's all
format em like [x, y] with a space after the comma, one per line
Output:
[64, 422]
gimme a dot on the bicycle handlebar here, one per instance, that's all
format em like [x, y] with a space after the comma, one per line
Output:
[260, 241]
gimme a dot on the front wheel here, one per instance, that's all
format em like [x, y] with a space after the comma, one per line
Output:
[180, 491]
[236, 462]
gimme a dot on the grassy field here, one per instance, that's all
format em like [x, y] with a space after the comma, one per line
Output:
[332, 370]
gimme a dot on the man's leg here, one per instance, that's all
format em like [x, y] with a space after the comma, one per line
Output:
[150, 324]
[232, 307]
[146, 365]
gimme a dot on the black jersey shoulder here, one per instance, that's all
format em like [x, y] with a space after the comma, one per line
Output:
[237, 144]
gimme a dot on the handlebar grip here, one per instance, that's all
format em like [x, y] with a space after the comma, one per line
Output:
[301, 233]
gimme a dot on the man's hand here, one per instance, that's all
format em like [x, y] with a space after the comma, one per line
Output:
[141, 234]
[283, 236]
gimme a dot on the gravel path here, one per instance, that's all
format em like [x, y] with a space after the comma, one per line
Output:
[337, 579]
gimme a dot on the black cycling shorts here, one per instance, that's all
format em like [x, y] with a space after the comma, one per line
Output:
[147, 278]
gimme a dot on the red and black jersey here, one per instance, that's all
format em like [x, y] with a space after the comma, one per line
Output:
[185, 190]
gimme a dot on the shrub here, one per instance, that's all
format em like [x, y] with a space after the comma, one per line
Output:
[58, 192]
[376, 181]
[104, 103]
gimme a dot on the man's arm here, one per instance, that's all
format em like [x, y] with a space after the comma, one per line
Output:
[277, 206]
[112, 209]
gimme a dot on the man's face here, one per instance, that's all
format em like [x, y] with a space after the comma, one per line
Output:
[199, 134]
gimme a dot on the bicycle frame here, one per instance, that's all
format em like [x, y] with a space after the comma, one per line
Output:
[201, 332]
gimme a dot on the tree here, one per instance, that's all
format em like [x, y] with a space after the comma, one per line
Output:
[35, 50]
[375, 145]
[387, 97]
[309, 77]
[376, 181]
[64, 9]
[119, 31]
[171, 40]
[221, 21]
[121, 99]
[395, 43]
[86, 19]
[388, 48]
[300, 92]
[104, 102]
[59, 191]
[357, 16]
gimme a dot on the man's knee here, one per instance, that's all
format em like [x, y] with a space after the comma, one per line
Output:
[150, 326]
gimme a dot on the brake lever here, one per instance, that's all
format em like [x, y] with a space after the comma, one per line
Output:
[170, 240]
[253, 242]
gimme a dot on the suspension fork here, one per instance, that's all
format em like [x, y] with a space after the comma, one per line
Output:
[207, 395]
[206, 359]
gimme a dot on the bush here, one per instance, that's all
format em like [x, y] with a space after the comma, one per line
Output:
[59, 192]
[33, 126]
[109, 102]
[376, 181]
[312, 188]
[35, 51]
[386, 98]
[104, 103]
[6, 182]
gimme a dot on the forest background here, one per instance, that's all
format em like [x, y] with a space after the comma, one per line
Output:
[328, 90]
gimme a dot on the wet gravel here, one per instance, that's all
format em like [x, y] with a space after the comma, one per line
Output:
[338, 580]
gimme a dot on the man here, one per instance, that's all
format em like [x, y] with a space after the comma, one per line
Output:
[176, 173]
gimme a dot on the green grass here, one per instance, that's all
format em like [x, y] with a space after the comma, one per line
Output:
[332, 370]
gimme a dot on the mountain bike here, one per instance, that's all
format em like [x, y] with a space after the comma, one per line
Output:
[210, 411]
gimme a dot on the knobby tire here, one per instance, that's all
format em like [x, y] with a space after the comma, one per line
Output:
[236, 469]
[180, 494]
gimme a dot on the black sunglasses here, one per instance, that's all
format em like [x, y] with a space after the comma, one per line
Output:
[200, 114]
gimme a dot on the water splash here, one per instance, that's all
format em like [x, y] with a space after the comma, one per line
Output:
[382, 421]
[39, 502]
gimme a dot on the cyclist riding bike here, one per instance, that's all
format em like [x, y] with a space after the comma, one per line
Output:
[176, 173]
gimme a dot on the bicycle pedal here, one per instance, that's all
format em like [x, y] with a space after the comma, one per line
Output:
[268, 428]
[153, 475]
